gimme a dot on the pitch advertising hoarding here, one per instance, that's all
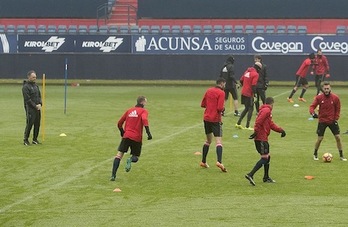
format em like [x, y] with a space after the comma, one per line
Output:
[8, 43]
[179, 44]
[239, 44]
[74, 43]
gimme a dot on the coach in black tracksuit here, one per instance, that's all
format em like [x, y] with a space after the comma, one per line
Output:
[262, 84]
[32, 106]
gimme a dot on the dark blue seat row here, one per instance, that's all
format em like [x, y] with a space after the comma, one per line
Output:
[153, 29]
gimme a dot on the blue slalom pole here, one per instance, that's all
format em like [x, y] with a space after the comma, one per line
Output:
[66, 83]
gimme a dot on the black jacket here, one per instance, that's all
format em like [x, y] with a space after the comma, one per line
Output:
[31, 95]
[227, 72]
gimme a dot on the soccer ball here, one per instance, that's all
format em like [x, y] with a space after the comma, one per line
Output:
[327, 157]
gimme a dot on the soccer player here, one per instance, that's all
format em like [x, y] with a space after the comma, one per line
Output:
[32, 105]
[135, 119]
[213, 102]
[262, 128]
[249, 81]
[321, 69]
[329, 113]
[301, 78]
[227, 72]
[262, 83]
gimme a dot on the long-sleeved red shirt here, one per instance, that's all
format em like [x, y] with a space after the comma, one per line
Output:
[249, 79]
[135, 119]
[329, 107]
[214, 103]
[303, 70]
[322, 65]
[264, 123]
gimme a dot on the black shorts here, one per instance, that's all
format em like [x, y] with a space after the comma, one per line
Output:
[334, 127]
[133, 145]
[262, 146]
[300, 81]
[247, 101]
[213, 127]
[233, 92]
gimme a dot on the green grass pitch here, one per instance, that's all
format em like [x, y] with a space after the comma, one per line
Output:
[65, 180]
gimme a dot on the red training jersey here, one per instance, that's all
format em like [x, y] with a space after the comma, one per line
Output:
[322, 65]
[329, 107]
[214, 103]
[303, 70]
[249, 79]
[135, 119]
[264, 123]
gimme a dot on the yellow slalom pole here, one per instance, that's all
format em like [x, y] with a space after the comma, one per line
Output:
[231, 102]
[43, 112]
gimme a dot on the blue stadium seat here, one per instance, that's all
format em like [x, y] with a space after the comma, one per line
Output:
[238, 29]
[2, 28]
[228, 29]
[260, 29]
[113, 29]
[31, 29]
[72, 30]
[291, 29]
[93, 29]
[145, 29]
[196, 29]
[249, 29]
[165, 29]
[302, 29]
[82, 29]
[217, 29]
[207, 29]
[281, 29]
[134, 29]
[10, 29]
[176, 29]
[103, 29]
[155, 29]
[62, 29]
[341, 30]
[270, 29]
[186, 29]
[41, 29]
[21, 29]
[52, 29]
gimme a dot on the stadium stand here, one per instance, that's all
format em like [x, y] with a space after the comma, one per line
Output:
[281, 29]
[228, 29]
[186, 29]
[145, 29]
[302, 29]
[249, 29]
[197, 29]
[207, 29]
